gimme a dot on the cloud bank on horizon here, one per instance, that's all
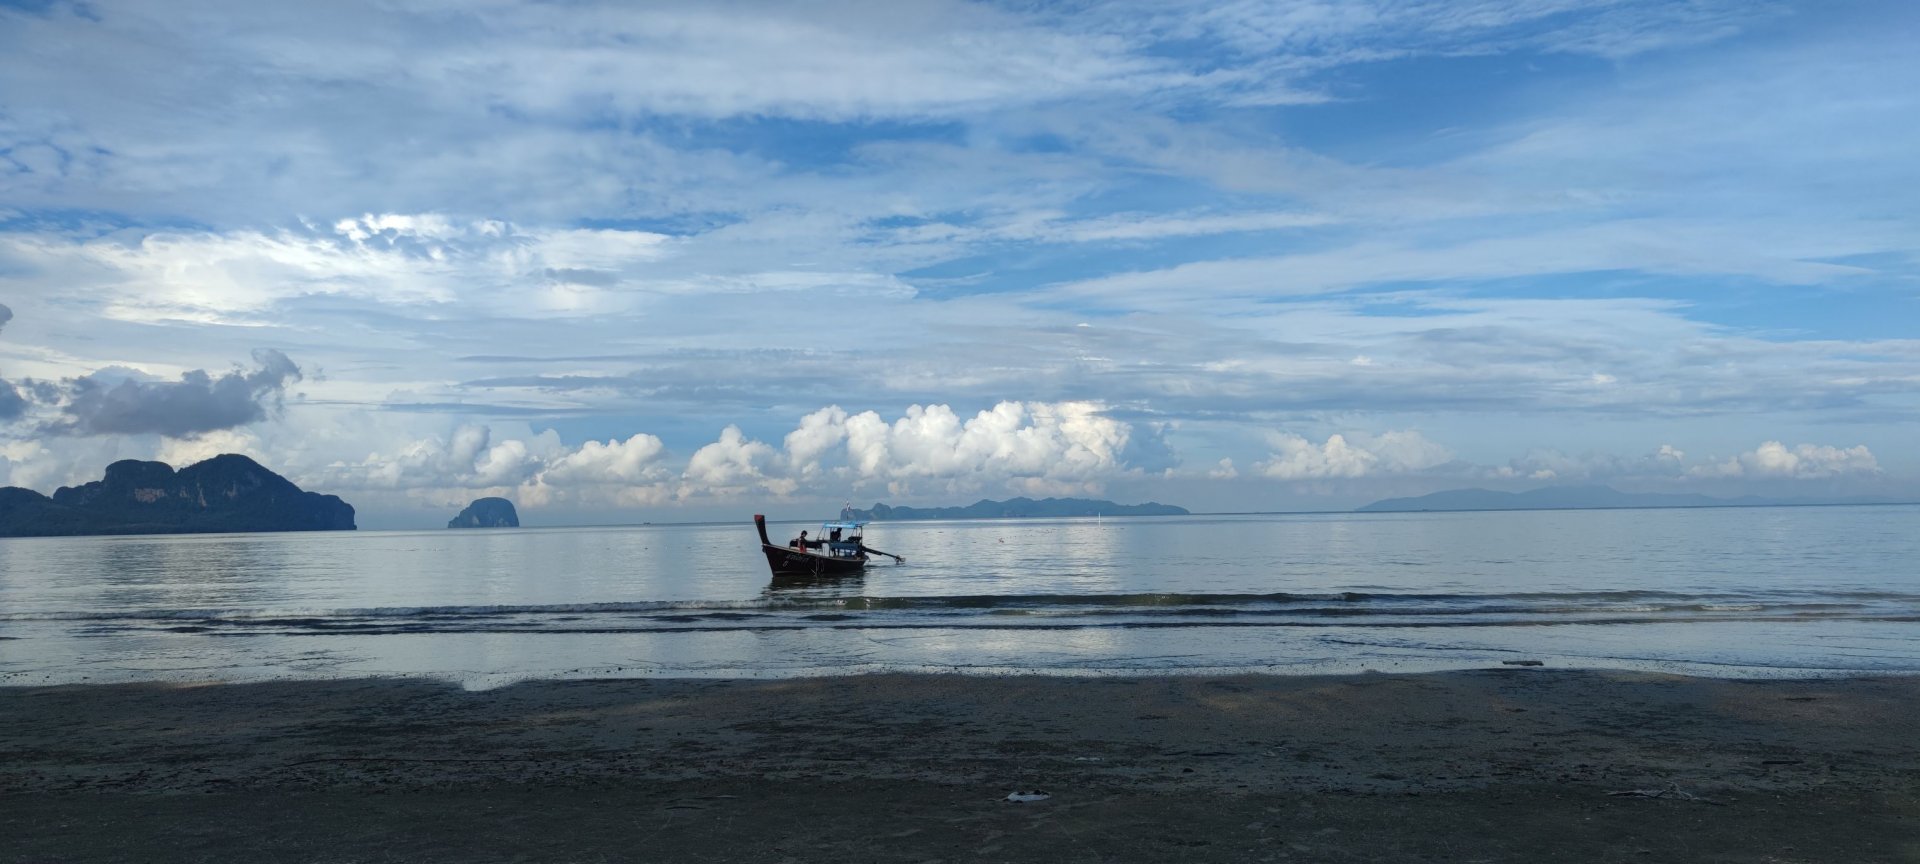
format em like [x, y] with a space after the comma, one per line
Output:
[679, 258]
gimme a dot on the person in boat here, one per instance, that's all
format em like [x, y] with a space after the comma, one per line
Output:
[834, 536]
[801, 542]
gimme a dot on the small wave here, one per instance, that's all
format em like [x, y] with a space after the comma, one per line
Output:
[1329, 603]
[1345, 609]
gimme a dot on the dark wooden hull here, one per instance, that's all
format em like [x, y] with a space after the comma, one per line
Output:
[789, 562]
[786, 561]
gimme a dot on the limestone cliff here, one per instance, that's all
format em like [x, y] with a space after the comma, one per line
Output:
[225, 493]
[487, 513]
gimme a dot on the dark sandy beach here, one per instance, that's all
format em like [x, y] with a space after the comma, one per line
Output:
[1494, 765]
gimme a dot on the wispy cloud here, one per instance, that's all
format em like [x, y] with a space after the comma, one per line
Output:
[1215, 221]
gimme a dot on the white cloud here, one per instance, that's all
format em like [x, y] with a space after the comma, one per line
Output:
[1014, 447]
[180, 452]
[536, 470]
[818, 433]
[811, 61]
[1296, 458]
[47, 463]
[237, 277]
[1023, 447]
[635, 461]
[1773, 459]
[1663, 466]
[469, 458]
[733, 465]
[1026, 447]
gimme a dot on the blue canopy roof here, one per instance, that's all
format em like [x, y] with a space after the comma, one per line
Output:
[844, 526]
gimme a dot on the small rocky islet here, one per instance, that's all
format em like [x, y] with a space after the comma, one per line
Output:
[487, 513]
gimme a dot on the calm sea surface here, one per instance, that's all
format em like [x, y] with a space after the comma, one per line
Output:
[1745, 592]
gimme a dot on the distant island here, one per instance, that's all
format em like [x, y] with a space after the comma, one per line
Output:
[1013, 508]
[226, 493]
[487, 513]
[1582, 498]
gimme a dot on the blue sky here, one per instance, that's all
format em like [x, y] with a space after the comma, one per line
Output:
[687, 260]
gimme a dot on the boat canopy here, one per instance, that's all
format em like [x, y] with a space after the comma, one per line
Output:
[844, 526]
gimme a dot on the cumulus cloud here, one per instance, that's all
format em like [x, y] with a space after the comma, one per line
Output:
[1024, 446]
[120, 401]
[1295, 457]
[632, 462]
[1014, 447]
[1019, 447]
[735, 464]
[818, 434]
[1773, 459]
[469, 458]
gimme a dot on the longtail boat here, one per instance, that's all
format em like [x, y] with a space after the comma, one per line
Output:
[836, 552]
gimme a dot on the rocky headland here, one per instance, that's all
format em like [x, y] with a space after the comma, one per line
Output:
[228, 493]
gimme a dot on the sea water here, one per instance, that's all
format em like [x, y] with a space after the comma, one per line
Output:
[1722, 591]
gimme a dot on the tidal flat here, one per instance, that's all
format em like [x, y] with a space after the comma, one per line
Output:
[1505, 764]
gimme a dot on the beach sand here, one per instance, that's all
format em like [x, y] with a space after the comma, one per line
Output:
[1510, 764]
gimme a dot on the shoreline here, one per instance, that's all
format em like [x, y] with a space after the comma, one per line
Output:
[1516, 751]
[280, 664]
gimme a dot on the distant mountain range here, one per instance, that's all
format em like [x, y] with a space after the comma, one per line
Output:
[225, 493]
[1013, 508]
[1583, 498]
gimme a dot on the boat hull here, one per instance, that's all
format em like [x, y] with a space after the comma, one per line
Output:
[786, 561]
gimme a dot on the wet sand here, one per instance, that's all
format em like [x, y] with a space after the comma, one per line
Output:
[1492, 765]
